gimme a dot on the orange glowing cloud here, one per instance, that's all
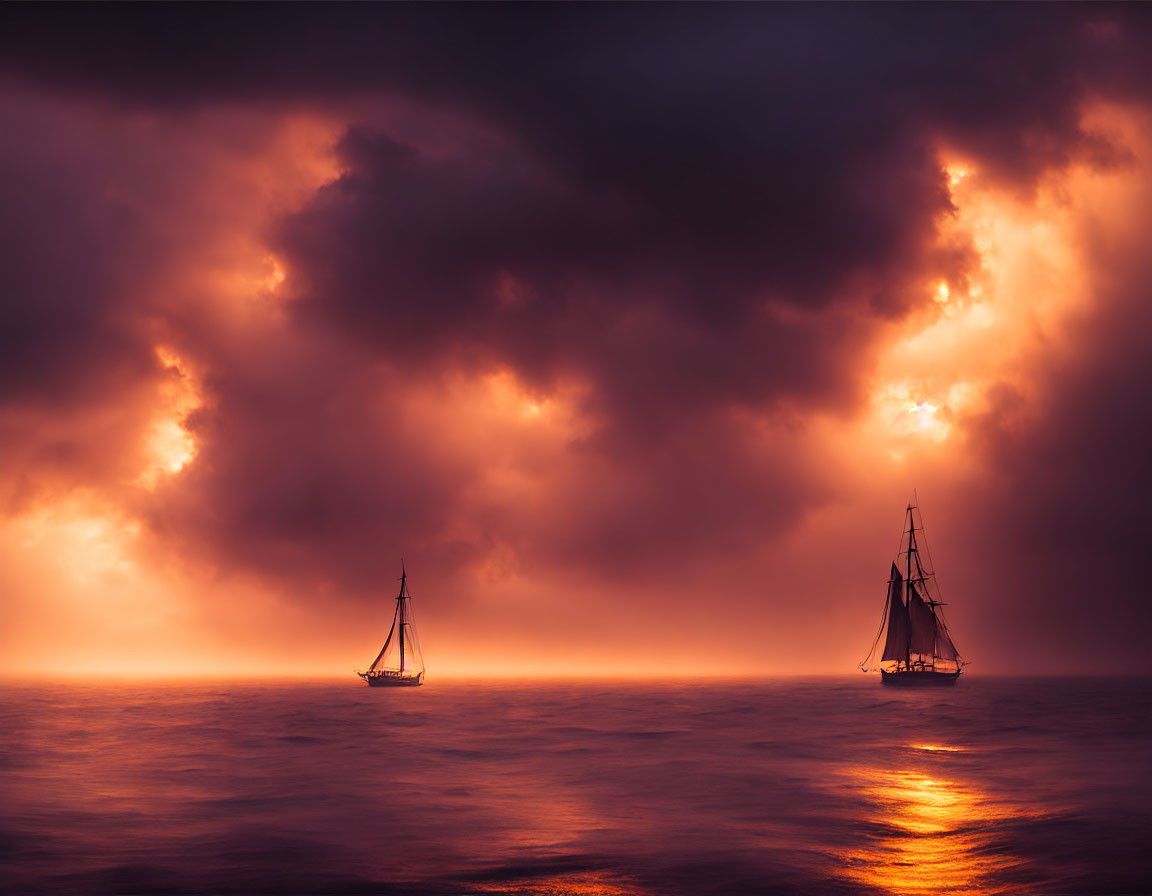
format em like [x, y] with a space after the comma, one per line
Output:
[990, 319]
[617, 419]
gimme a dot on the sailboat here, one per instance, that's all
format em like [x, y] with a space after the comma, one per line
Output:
[402, 667]
[918, 648]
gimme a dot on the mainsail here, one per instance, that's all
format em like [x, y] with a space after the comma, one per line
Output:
[387, 643]
[896, 646]
[922, 639]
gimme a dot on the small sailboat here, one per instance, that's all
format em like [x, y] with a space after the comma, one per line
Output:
[399, 664]
[918, 648]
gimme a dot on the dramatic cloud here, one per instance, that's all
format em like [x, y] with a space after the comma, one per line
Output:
[594, 309]
[1066, 518]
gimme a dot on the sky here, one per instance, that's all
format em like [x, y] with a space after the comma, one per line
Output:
[632, 329]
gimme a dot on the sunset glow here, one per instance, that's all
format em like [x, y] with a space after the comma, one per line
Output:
[313, 334]
[574, 449]
[171, 446]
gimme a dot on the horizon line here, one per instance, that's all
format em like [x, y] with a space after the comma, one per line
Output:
[521, 677]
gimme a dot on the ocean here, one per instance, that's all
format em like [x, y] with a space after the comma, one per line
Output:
[675, 788]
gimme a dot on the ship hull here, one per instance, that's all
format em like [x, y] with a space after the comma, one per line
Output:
[919, 677]
[393, 681]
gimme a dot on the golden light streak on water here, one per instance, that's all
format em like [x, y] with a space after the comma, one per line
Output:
[935, 835]
[576, 883]
[584, 883]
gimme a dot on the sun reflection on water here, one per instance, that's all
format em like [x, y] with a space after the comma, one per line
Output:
[580, 883]
[931, 834]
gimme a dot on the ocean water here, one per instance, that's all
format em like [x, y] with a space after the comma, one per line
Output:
[776, 787]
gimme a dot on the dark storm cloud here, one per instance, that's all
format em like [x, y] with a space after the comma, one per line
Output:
[779, 148]
[309, 475]
[68, 329]
[1064, 514]
[79, 250]
[705, 160]
[689, 209]
[102, 216]
[494, 261]
[693, 207]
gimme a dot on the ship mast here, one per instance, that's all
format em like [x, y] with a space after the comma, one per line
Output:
[908, 579]
[921, 580]
[400, 611]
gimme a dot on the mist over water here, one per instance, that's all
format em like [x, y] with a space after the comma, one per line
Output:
[796, 786]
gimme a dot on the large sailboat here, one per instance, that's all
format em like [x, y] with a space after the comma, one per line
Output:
[399, 664]
[918, 648]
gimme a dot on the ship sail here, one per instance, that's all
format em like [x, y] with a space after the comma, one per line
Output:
[896, 645]
[384, 649]
[922, 639]
[400, 661]
[918, 646]
[945, 649]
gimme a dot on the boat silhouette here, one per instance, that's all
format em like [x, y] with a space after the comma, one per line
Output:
[399, 663]
[918, 647]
